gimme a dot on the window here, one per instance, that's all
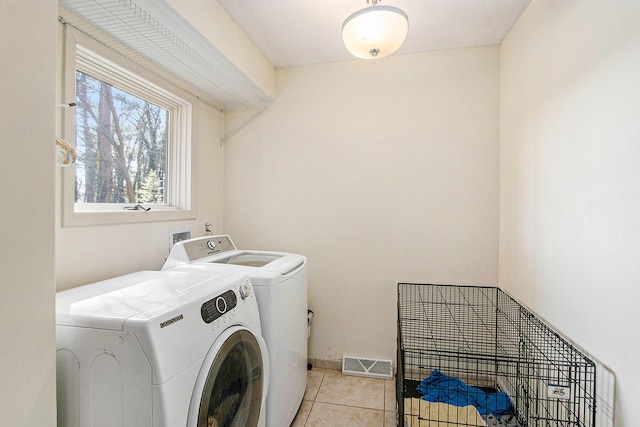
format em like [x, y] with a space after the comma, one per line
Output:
[121, 141]
[132, 133]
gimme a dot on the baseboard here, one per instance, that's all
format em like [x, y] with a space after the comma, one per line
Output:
[326, 364]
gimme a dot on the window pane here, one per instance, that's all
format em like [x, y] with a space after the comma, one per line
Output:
[121, 141]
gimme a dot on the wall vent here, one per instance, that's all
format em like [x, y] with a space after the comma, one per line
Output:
[365, 367]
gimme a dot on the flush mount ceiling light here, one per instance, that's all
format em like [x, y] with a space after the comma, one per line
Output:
[375, 31]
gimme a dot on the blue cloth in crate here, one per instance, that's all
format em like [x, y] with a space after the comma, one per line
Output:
[441, 388]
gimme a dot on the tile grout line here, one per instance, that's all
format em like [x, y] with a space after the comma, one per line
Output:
[351, 406]
[323, 381]
[315, 396]
[306, 419]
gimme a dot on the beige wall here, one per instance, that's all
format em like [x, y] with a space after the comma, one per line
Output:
[212, 21]
[27, 115]
[379, 172]
[570, 194]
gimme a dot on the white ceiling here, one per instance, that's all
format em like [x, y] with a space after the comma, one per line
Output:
[301, 32]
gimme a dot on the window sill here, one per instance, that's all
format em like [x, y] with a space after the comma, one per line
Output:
[102, 216]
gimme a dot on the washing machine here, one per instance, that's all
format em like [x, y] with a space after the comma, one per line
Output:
[280, 283]
[161, 349]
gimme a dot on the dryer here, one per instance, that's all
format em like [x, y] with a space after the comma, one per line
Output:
[280, 283]
[161, 349]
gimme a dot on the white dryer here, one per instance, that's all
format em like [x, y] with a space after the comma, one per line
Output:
[280, 283]
[161, 349]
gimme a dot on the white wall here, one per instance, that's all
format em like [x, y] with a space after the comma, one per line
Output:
[570, 193]
[379, 172]
[27, 115]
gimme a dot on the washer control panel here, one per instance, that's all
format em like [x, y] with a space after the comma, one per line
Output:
[218, 306]
[207, 246]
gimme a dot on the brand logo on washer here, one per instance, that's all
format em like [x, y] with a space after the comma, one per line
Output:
[171, 321]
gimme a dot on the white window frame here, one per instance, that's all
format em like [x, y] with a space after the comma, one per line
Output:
[99, 61]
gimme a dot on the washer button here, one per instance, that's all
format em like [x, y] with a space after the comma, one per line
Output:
[245, 291]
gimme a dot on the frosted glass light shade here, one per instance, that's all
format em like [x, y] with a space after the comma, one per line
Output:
[375, 32]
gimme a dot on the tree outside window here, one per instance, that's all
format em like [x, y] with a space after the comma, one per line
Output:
[121, 141]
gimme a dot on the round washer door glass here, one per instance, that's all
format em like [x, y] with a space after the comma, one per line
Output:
[232, 394]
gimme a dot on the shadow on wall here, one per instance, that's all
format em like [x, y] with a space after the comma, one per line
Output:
[605, 395]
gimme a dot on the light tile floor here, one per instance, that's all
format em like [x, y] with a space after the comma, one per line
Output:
[335, 400]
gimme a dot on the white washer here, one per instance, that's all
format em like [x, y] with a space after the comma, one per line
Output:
[161, 349]
[280, 283]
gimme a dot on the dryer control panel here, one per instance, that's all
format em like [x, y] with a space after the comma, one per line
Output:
[207, 246]
[218, 306]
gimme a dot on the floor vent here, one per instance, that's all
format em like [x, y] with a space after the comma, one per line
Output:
[363, 367]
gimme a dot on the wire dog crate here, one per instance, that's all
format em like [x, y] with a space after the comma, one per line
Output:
[451, 337]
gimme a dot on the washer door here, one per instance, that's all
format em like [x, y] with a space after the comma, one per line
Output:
[230, 387]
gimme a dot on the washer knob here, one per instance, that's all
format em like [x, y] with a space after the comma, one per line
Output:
[245, 291]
